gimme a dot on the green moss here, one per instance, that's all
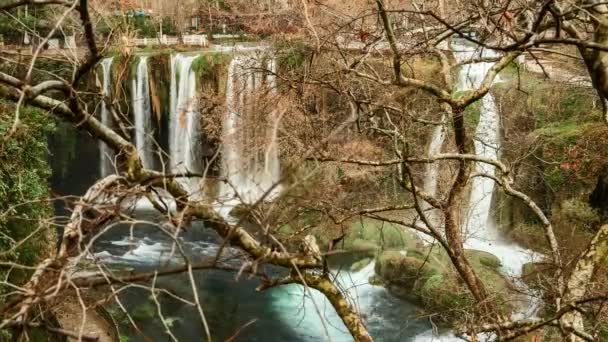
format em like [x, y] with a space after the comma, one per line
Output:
[472, 114]
[144, 311]
[399, 268]
[572, 147]
[426, 276]
[201, 65]
[484, 258]
[563, 132]
[359, 265]
[66, 135]
[382, 234]
[440, 293]
[365, 247]
[291, 55]
[555, 106]
[24, 170]
[205, 64]
[285, 230]
[537, 275]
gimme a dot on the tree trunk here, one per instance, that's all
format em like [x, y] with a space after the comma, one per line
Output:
[579, 280]
[453, 223]
[349, 315]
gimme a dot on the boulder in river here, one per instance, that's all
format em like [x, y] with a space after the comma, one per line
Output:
[426, 276]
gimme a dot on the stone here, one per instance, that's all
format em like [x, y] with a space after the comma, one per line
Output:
[426, 277]
[359, 265]
[485, 258]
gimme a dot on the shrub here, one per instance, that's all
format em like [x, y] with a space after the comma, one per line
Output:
[24, 190]
[576, 214]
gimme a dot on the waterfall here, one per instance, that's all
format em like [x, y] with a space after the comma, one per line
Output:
[250, 173]
[486, 141]
[482, 233]
[185, 132]
[437, 138]
[143, 115]
[106, 164]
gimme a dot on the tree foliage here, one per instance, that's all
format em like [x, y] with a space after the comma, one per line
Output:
[24, 188]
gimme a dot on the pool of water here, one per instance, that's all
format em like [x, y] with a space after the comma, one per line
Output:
[232, 306]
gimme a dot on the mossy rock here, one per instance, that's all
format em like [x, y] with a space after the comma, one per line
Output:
[382, 234]
[284, 231]
[442, 293]
[361, 264]
[241, 210]
[399, 268]
[376, 280]
[426, 276]
[144, 311]
[364, 247]
[536, 274]
[484, 258]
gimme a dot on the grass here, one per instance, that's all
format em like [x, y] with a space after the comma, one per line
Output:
[563, 134]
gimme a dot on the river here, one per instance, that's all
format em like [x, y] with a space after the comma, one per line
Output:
[278, 314]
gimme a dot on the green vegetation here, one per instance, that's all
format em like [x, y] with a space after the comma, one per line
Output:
[206, 64]
[471, 112]
[147, 27]
[66, 138]
[561, 123]
[365, 234]
[14, 22]
[24, 191]
[547, 102]
[292, 54]
[425, 275]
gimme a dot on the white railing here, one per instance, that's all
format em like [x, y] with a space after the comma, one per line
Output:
[193, 39]
[227, 36]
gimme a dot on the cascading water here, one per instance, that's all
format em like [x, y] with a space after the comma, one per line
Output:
[432, 177]
[106, 165]
[249, 175]
[143, 115]
[430, 181]
[482, 234]
[185, 132]
[252, 174]
[385, 316]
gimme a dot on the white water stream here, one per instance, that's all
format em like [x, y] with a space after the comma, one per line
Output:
[106, 165]
[250, 167]
[144, 139]
[251, 175]
[184, 122]
[481, 232]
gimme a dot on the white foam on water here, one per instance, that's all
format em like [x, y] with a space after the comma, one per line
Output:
[106, 166]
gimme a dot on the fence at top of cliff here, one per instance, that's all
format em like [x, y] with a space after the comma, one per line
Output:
[199, 40]
[193, 39]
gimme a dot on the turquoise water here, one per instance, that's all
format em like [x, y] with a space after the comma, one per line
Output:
[280, 314]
